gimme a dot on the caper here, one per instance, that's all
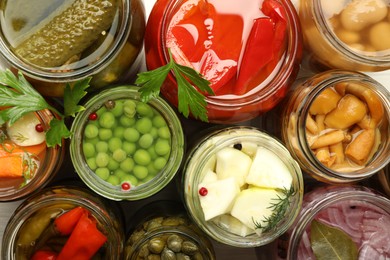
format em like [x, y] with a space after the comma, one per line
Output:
[136, 236]
[156, 245]
[181, 256]
[168, 254]
[197, 256]
[144, 251]
[174, 243]
[173, 221]
[153, 257]
[189, 248]
[154, 223]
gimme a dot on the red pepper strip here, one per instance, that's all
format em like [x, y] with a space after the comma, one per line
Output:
[83, 242]
[258, 53]
[44, 255]
[277, 13]
[66, 222]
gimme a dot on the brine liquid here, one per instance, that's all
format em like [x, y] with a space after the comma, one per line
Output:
[211, 37]
[367, 225]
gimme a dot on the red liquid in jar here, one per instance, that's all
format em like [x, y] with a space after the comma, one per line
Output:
[249, 51]
[235, 45]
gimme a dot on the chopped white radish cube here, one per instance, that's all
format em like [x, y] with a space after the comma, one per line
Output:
[233, 225]
[268, 171]
[209, 177]
[23, 132]
[218, 198]
[232, 163]
[253, 205]
[249, 148]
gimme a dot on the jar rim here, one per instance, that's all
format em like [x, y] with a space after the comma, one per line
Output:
[338, 76]
[192, 177]
[50, 74]
[51, 163]
[282, 73]
[149, 188]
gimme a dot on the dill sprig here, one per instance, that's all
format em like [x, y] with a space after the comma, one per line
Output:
[279, 208]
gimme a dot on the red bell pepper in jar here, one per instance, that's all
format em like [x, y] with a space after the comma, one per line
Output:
[264, 47]
[84, 241]
[65, 223]
[44, 255]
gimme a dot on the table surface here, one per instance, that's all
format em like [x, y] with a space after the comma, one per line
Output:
[67, 174]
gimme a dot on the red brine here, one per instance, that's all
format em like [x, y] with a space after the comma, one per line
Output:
[249, 51]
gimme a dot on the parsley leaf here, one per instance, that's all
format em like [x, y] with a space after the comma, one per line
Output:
[19, 98]
[72, 97]
[189, 98]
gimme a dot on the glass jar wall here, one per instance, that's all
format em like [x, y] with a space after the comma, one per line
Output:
[65, 41]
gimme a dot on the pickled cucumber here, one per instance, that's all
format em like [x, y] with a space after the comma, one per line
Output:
[69, 33]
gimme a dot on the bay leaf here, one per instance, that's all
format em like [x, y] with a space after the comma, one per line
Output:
[329, 242]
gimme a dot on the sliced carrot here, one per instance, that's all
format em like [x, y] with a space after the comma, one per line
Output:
[8, 148]
[11, 166]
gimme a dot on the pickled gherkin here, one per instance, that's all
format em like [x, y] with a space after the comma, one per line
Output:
[65, 36]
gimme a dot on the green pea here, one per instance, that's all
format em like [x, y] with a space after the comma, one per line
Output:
[91, 162]
[144, 109]
[102, 159]
[101, 110]
[93, 141]
[145, 141]
[131, 135]
[152, 153]
[114, 180]
[126, 121]
[114, 144]
[127, 164]
[101, 147]
[118, 108]
[129, 108]
[164, 132]
[162, 147]
[112, 164]
[119, 155]
[118, 131]
[159, 121]
[120, 173]
[102, 173]
[140, 171]
[130, 178]
[152, 170]
[107, 120]
[144, 125]
[129, 148]
[88, 149]
[105, 134]
[142, 157]
[154, 132]
[159, 163]
[91, 131]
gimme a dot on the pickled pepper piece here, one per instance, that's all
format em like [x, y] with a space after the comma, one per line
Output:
[84, 241]
[69, 33]
[264, 47]
[44, 255]
[66, 222]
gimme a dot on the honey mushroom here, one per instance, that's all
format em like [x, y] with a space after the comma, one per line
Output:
[342, 125]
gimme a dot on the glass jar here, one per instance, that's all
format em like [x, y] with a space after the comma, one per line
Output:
[38, 163]
[222, 52]
[350, 112]
[105, 43]
[164, 230]
[348, 35]
[356, 210]
[384, 179]
[228, 189]
[123, 148]
[31, 227]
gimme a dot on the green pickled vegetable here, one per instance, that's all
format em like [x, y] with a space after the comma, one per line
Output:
[69, 33]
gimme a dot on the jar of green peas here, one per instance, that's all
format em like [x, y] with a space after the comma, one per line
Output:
[123, 148]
